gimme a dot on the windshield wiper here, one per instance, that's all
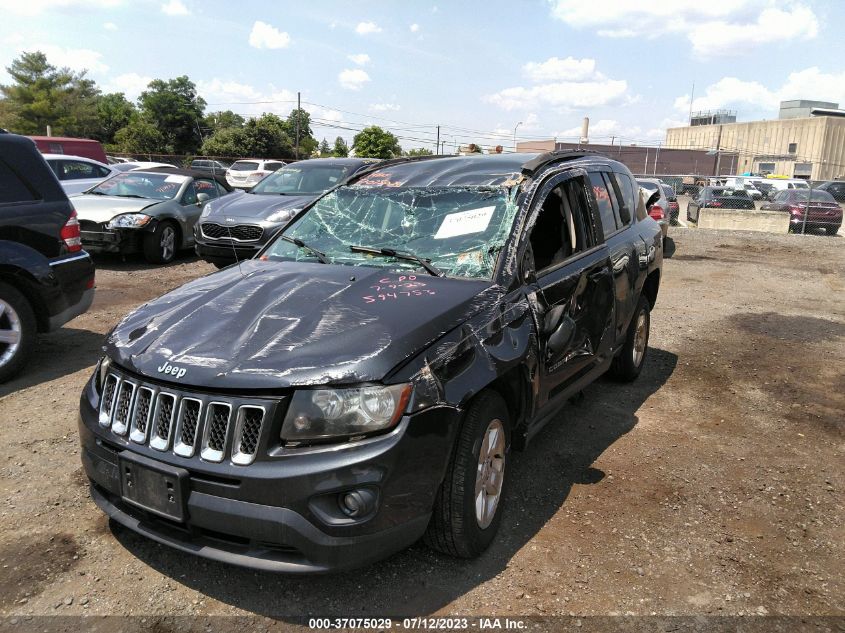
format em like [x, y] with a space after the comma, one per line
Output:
[298, 242]
[390, 252]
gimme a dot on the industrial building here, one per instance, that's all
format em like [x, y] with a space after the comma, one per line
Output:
[807, 140]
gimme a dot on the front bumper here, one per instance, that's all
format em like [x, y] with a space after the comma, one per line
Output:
[113, 241]
[228, 254]
[270, 514]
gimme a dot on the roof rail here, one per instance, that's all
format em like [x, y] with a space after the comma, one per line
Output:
[533, 165]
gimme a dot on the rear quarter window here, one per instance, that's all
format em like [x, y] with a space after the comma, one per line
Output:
[603, 204]
[12, 188]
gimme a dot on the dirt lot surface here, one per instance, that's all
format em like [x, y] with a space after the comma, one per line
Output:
[712, 485]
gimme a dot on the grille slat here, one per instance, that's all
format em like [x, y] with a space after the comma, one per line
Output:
[188, 422]
[163, 421]
[247, 434]
[141, 415]
[216, 430]
[107, 401]
[238, 232]
[123, 407]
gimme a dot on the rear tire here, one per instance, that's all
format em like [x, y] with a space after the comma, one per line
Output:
[160, 246]
[18, 331]
[468, 507]
[831, 230]
[629, 362]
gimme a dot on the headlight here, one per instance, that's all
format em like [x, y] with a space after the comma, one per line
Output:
[282, 215]
[344, 413]
[128, 221]
[206, 210]
[101, 372]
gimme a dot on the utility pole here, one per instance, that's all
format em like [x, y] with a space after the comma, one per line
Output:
[718, 151]
[443, 147]
[298, 112]
[645, 166]
[654, 170]
[514, 134]
[692, 96]
[438, 139]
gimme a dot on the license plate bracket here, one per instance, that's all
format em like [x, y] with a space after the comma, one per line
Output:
[152, 486]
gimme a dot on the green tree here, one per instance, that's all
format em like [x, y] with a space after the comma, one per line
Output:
[420, 151]
[217, 121]
[307, 143]
[113, 113]
[176, 109]
[325, 150]
[341, 149]
[41, 94]
[262, 137]
[374, 142]
[139, 136]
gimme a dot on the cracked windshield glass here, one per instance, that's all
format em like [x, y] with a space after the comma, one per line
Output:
[460, 230]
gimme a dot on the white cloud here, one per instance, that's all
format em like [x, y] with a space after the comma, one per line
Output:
[360, 59]
[175, 7]
[714, 27]
[414, 28]
[130, 84]
[569, 83]
[810, 83]
[556, 69]
[328, 115]
[264, 35]
[385, 107]
[77, 59]
[353, 78]
[245, 99]
[37, 7]
[110, 26]
[365, 28]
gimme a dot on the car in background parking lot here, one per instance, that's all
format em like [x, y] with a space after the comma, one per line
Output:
[674, 207]
[238, 226]
[657, 204]
[836, 188]
[152, 211]
[46, 279]
[77, 173]
[718, 198]
[244, 174]
[808, 210]
[136, 165]
[210, 166]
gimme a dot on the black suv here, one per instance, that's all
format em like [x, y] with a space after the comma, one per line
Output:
[359, 384]
[46, 279]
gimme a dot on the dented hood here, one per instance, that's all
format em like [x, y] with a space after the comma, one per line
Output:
[272, 325]
[96, 208]
[255, 206]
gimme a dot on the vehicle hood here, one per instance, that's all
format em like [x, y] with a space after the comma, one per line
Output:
[273, 325]
[104, 208]
[253, 206]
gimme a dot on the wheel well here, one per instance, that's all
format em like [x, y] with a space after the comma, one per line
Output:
[650, 287]
[42, 319]
[180, 238]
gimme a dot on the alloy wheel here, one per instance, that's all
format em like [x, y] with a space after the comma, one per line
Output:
[490, 474]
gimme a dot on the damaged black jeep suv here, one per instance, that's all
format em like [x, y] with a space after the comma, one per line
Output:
[359, 384]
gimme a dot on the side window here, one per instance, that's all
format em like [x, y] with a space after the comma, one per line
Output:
[207, 187]
[273, 166]
[77, 170]
[603, 204]
[221, 190]
[562, 226]
[101, 172]
[627, 201]
[190, 195]
[12, 188]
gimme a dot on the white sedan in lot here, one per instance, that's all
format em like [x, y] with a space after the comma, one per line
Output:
[77, 173]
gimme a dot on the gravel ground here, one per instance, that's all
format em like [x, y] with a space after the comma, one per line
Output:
[712, 485]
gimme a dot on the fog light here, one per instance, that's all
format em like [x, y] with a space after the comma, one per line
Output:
[357, 503]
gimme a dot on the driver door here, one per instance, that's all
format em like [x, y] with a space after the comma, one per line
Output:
[571, 293]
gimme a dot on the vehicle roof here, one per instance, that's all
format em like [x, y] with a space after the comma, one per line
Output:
[84, 159]
[339, 161]
[448, 171]
[192, 173]
[63, 138]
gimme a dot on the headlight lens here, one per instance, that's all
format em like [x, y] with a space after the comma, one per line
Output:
[282, 215]
[128, 221]
[324, 414]
[206, 210]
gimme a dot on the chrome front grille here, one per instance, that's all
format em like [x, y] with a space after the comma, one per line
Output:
[186, 424]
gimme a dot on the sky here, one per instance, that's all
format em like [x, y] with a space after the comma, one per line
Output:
[479, 69]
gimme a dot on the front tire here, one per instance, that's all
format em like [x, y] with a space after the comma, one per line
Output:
[468, 507]
[17, 331]
[160, 245]
[629, 362]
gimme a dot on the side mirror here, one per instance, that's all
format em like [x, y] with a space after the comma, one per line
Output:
[202, 198]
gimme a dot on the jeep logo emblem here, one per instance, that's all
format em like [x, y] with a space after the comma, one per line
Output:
[173, 370]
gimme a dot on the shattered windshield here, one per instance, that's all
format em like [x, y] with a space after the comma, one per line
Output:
[460, 230]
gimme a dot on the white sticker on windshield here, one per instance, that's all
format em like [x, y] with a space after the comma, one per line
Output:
[176, 178]
[465, 222]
